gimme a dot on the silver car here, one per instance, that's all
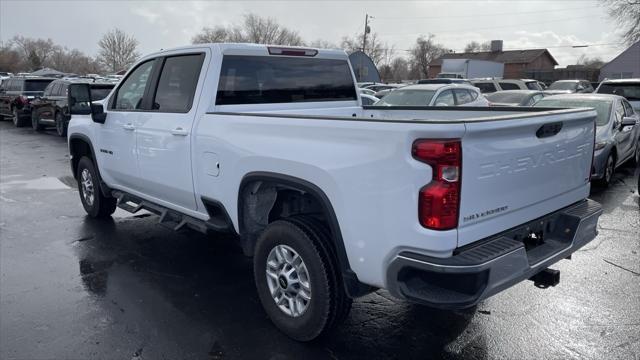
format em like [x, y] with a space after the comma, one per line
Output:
[617, 132]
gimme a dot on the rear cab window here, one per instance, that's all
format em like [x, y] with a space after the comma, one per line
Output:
[509, 86]
[264, 80]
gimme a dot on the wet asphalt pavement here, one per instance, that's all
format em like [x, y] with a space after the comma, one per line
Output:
[128, 288]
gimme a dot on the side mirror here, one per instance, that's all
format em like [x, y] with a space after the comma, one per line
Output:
[628, 121]
[97, 113]
[80, 99]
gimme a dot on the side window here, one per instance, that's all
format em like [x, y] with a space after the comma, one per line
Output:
[474, 94]
[628, 110]
[509, 86]
[462, 97]
[54, 89]
[485, 87]
[445, 99]
[178, 82]
[131, 91]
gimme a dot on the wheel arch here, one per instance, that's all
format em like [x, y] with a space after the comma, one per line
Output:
[353, 286]
[80, 145]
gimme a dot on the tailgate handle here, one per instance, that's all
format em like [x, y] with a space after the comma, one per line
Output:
[549, 129]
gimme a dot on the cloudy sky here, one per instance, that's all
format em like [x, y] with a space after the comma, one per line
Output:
[556, 25]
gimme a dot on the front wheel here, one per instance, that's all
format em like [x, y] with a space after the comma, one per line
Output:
[94, 202]
[17, 120]
[61, 125]
[297, 278]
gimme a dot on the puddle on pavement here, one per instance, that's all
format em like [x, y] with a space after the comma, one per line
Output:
[43, 183]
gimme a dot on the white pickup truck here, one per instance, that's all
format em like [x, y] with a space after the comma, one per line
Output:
[440, 206]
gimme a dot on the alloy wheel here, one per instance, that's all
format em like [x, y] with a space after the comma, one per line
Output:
[87, 187]
[288, 280]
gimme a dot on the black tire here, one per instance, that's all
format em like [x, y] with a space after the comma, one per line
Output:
[16, 119]
[609, 170]
[61, 125]
[94, 202]
[35, 122]
[329, 303]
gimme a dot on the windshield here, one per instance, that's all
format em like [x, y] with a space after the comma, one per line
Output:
[510, 98]
[629, 91]
[407, 98]
[563, 86]
[36, 85]
[603, 107]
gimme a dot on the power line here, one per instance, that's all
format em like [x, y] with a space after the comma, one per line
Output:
[494, 27]
[538, 47]
[479, 15]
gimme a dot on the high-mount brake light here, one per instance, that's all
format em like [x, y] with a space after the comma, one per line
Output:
[439, 201]
[292, 51]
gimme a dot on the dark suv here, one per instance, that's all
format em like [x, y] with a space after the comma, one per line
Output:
[53, 107]
[16, 95]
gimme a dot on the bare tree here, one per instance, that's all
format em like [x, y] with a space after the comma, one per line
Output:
[375, 48]
[35, 52]
[424, 52]
[117, 50]
[594, 62]
[74, 61]
[323, 44]
[475, 46]
[10, 59]
[627, 15]
[253, 29]
[216, 34]
[400, 69]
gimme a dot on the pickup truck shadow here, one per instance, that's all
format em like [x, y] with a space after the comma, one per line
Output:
[623, 182]
[187, 293]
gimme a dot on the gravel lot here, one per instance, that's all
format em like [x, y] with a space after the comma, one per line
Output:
[75, 288]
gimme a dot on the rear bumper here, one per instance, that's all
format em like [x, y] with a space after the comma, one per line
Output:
[476, 272]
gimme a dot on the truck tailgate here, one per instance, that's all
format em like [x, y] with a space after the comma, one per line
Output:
[517, 170]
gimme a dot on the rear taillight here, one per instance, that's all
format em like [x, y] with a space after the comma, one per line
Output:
[439, 201]
[22, 100]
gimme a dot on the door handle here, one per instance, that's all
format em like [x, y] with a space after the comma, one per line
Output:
[179, 132]
[128, 127]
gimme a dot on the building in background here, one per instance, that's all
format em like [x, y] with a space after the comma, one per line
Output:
[624, 66]
[516, 62]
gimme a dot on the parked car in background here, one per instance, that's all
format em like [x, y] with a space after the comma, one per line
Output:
[617, 130]
[492, 85]
[570, 86]
[443, 81]
[380, 94]
[16, 94]
[514, 97]
[379, 87]
[367, 91]
[542, 85]
[627, 88]
[54, 107]
[364, 84]
[368, 99]
[434, 95]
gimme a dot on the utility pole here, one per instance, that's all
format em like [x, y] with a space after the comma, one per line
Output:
[366, 31]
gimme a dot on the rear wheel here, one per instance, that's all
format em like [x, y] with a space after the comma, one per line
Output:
[35, 122]
[297, 280]
[94, 202]
[61, 125]
[17, 120]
